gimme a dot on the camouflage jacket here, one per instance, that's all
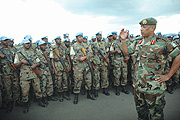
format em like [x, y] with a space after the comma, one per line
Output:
[78, 53]
[26, 72]
[150, 58]
[4, 63]
[99, 46]
[63, 53]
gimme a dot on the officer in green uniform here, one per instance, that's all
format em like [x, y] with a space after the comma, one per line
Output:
[27, 61]
[101, 71]
[81, 70]
[149, 83]
[61, 77]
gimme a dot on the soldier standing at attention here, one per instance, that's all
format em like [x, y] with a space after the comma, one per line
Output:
[59, 52]
[149, 82]
[101, 71]
[27, 61]
[81, 69]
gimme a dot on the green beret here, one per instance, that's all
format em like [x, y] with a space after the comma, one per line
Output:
[148, 21]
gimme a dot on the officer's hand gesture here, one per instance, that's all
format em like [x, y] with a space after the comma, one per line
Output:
[123, 34]
[24, 61]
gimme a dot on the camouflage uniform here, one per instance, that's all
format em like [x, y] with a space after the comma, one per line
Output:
[100, 66]
[150, 58]
[27, 75]
[46, 80]
[81, 69]
[61, 82]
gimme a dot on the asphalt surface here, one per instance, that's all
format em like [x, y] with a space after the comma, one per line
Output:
[104, 108]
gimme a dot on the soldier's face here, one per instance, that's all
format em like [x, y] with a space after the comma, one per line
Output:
[109, 37]
[45, 40]
[43, 47]
[114, 36]
[5, 42]
[99, 37]
[27, 45]
[84, 40]
[79, 38]
[10, 43]
[67, 43]
[58, 41]
[147, 30]
[94, 39]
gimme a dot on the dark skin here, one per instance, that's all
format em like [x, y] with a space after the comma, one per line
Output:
[11, 43]
[147, 31]
[58, 43]
[94, 39]
[84, 40]
[23, 61]
[45, 40]
[67, 43]
[79, 41]
[5, 45]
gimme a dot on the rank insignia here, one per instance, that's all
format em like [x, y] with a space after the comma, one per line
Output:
[140, 42]
[152, 42]
[144, 22]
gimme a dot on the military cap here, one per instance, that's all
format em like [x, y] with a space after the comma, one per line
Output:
[131, 35]
[45, 37]
[158, 33]
[169, 35]
[109, 34]
[74, 40]
[67, 40]
[41, 42]
[99, 33]
[28, 37]
[175, 37]
[93, 37]
[85, 37]
[57, 37]
[10, 39]
[66, 34]
[114, 32]
[25, 41]
[37, 41]
[148, 21]
[4, 38]
[178, 33]
[79, 34]
[103, 38]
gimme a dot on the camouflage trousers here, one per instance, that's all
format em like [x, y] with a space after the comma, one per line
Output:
[176, 76]
[61, 81]
[16, 87]
[148, 106]
[101, 75]
[25, 87]
[46, 83]
[0, 98]
[81, 75]
[7, 81]
[120, 72]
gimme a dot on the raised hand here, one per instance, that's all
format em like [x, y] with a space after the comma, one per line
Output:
[123, 34]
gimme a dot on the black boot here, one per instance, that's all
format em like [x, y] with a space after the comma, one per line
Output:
[96, 93]
[75, 98]
[61, 96]
[125, 90]
[45, 100]
[18, 103]
[26, 107]
[105, 91]
[52, 98]
[169, 89]
[117, 91]
[41, 102]
[10, 106]
[90, 96]
[66, 96]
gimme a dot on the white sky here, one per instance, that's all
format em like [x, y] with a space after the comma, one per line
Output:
[40, 18]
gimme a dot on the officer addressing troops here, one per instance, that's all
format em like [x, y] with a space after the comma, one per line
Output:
[149, 77]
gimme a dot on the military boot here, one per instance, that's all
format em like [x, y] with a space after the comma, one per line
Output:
[26, 107]
[96, 93]
[45, 100]
[117, 91]
[90, 96]
[10, 106]
[41, 102]
[75, 98]
[61, 97]
[125, 90]
[66, 95]
[105, 91]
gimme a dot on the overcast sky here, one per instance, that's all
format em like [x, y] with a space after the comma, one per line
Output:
[40, 18]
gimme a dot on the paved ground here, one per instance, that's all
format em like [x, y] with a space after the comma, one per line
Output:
[104, 108]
